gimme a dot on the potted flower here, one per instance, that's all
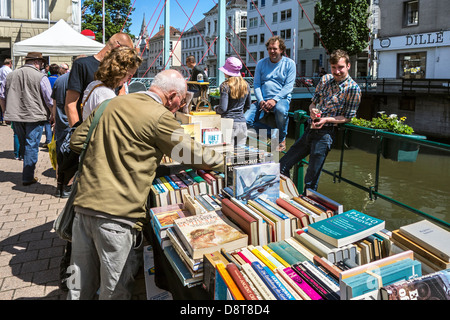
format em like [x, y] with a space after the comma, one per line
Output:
[392, 148]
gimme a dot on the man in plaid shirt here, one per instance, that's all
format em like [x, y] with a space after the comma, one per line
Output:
[336, 100]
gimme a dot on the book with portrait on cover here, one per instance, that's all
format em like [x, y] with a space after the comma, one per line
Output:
[208, 232]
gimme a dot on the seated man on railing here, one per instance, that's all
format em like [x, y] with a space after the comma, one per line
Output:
[336, 100]
[273, 83]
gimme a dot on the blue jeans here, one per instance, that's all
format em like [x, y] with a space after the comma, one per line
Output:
[48, 132]
[316, 144]
[29, 135]
[255, 118]
[17, 153]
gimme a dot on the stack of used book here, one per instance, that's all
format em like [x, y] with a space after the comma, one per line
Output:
[169, 189]
[187, 231]
[293, 246]
[259, 273]
[429, 242]
[338, 238]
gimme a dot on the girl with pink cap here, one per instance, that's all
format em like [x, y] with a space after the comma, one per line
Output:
[234, 98]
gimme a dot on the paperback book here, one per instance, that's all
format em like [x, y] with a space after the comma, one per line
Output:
[346, 228]
[208, 232]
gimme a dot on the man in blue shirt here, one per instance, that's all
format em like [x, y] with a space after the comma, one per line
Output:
[336, 100]
[273, 83]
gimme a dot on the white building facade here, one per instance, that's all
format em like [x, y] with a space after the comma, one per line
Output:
[236, 33]
[414, 39]
[268, 18]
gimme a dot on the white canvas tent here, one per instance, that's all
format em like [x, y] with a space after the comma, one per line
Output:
[59, 40]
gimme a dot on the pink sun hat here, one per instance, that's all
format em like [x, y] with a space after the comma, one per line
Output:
[232, 67]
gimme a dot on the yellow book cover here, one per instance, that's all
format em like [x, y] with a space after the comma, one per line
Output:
[237, 295]
[276, 256]
[202, 113]
[166, 184]
[261, 257]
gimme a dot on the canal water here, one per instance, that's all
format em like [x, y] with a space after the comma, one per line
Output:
[423, 185]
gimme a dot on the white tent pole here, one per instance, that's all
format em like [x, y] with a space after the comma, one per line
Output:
[103, 11]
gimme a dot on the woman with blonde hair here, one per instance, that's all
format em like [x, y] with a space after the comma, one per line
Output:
[116, 68]
[234, 98]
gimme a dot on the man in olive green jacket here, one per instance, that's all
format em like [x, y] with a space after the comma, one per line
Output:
[133, 134]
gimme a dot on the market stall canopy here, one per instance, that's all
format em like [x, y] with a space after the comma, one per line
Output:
[59, 40]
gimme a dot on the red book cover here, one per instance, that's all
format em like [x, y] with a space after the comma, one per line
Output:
[241, 283]
[296, 212]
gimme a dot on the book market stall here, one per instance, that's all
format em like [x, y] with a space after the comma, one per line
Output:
[247, 234]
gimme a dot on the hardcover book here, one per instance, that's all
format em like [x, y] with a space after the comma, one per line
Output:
[246, 222]
[253, 180]
[208, 232]
[430, 236]
[241, 282]
[346, 228]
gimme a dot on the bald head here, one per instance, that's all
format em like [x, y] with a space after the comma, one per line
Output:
[171, 87]
[120, 39]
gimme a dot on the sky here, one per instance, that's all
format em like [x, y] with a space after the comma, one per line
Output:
[178, 18]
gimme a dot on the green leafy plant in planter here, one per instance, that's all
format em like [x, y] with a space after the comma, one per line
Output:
[392, 148]
[384, 122]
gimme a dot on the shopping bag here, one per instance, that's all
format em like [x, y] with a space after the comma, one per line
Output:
[64, 221]
[52, 152]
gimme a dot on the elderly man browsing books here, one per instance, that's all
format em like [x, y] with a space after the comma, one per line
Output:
[132, 135]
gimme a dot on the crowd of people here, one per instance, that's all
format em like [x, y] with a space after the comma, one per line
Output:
[136, 130]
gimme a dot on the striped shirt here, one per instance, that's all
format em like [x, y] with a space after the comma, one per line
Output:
[337, 99]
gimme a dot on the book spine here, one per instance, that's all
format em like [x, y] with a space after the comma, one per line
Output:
[314, 203]
[324, 278]
[328, 266]
[263, 259]
[310, 291]
[230, 258]
[312, 216]
[302, 294]
[310, 206]
[301, 216]
[272, 282]
[312, 282]
[178, 181]
[172, 184]
[312, 244]
[204, 203]
[257, 282]
[210, 201]
[276, 256]
[241, 283]
[289, 258]
[237, 295]
[271, 209]
[295, 295]
[242, 255]
[308, 254]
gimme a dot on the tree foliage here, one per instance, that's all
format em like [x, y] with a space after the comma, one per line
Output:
[116, 12]
[343, 24]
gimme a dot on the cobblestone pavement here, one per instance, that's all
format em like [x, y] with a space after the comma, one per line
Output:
[30, 250]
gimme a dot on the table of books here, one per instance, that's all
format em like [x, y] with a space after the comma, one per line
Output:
[308, 252]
